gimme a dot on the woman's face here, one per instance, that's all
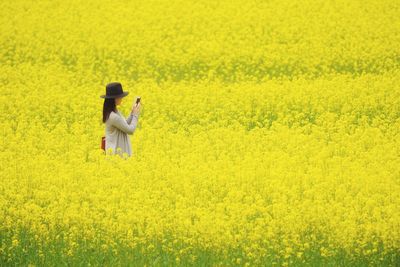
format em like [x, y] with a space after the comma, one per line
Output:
[118, 101]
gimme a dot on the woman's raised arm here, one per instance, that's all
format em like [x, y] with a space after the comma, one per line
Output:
[122, 124]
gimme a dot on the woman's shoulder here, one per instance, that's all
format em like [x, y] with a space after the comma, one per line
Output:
[113, 115]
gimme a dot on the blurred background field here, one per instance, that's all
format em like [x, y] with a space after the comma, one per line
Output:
[269, 133]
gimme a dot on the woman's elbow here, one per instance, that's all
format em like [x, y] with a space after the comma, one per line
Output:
[131, 131]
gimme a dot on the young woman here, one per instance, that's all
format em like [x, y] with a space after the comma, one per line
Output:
[118, 128]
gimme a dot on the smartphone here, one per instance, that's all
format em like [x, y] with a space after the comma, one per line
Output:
[137, 100]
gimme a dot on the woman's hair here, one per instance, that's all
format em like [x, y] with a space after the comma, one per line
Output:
[108, 106]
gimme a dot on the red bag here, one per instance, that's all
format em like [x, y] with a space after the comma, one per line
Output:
[103, 143]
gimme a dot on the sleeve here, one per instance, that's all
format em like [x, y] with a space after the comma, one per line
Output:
[129, 118]
[122, 124]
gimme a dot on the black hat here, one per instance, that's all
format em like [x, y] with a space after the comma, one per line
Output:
[114, 90]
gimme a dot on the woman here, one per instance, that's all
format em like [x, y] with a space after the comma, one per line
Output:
[118, 128]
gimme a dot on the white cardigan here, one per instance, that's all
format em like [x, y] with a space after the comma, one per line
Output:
[118, 130]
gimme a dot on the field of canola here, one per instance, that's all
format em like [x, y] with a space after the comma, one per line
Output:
[269, 133]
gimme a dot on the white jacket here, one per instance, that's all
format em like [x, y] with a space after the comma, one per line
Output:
[118, 130]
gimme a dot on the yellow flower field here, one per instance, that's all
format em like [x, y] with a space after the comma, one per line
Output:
[269, 134]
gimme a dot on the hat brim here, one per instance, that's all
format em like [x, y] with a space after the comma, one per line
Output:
[115, 96]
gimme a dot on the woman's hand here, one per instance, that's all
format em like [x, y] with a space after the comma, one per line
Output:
[136, 109]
